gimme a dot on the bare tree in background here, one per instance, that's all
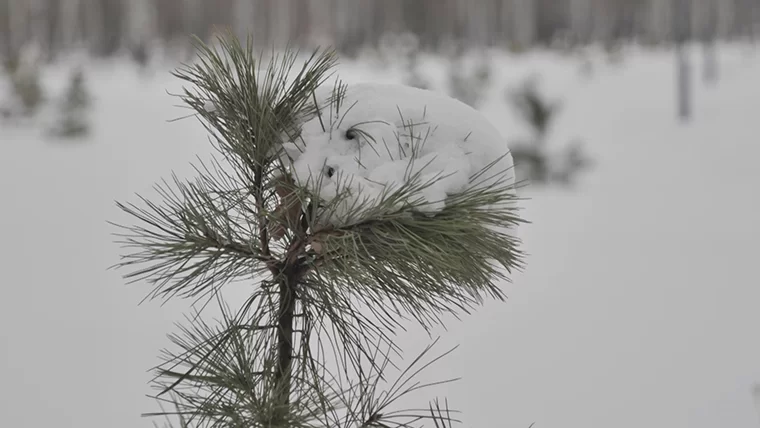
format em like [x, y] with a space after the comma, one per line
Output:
[5, 29]
[581, 17]
[709, 35]
[524, 22]
[682, 24]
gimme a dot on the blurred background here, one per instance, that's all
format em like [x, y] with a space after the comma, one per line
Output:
[634, 123]
[107, 26]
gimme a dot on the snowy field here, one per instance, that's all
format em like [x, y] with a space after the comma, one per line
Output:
[638, 308]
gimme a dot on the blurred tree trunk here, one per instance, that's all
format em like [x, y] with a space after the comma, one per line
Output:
[414, 12]
[709, 48]
[349, 31]
[243, 18]
[429, 31]
[754, 14]
[5, 31]
[260, 23]
[478, 24]
[170, 18]
[378, 20]
[394, 21]
[141, 16]
[18, 20]
[580, 12]
[112, 22]
[317, 34]
[496, 22]
[301, 22]
[725, 18]
[216, 16]
[523, 22]
[506, 22]
[280, 22]
[53, 23]
[91, 17]
[682, 26]
[625, 20]
[68, 19]
[660, 21]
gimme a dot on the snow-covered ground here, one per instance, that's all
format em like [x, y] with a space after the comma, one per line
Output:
[638, 307]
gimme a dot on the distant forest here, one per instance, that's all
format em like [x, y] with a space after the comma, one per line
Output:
[106, 27]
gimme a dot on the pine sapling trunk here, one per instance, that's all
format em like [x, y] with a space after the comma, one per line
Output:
[285, 331]
[289, 273]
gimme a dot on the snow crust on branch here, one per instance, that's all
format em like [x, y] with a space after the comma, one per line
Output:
[374, 138]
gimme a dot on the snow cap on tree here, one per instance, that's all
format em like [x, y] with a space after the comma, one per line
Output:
[377, 137]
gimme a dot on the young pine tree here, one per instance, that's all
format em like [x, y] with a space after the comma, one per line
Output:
[26, 91]
[533, 158]
[310, 345]
[73, 108]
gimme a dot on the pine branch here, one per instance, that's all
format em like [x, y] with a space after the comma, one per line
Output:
[425, 264]
[219, 223]
[215, 229]
[197, 239]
